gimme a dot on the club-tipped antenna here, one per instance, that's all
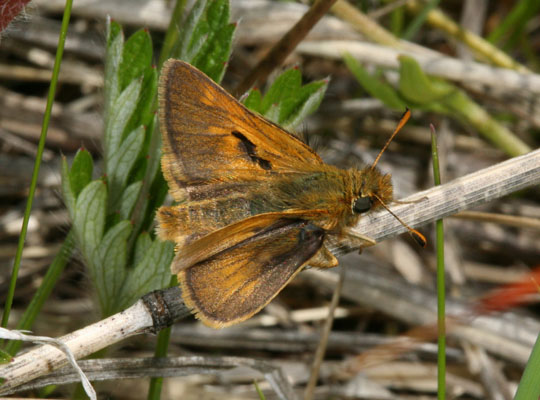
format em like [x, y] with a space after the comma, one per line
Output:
[417, 236]
[402, 121]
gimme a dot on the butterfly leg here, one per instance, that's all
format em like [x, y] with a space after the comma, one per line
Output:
[357, 239]
[323, 259]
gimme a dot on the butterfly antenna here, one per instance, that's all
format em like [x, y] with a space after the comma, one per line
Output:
[402, 121]
[417, 236]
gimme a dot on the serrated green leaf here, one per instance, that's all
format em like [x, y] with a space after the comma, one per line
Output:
[144, 111]
[187, 34]
[153, 153]
[89, 219]
[380, 90]
[416, 87]
[121, 162]
[136, 57]
[144, 242]
[273, 112]
[308, 100]
[218, 14]
[128, 199]
[113, 58]
[113, 30]
[109, 265]
[213, 55]
[80, 174]
[253, 100]
[206, 37]
[120, 113]
[151, 273]
[283, 87]
[67, 193]
[156, 195]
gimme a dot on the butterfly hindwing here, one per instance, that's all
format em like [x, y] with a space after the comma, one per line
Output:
[232, 285]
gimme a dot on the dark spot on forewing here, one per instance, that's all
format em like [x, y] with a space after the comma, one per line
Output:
[249, 148]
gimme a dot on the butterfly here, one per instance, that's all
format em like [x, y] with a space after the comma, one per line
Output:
[254, 203]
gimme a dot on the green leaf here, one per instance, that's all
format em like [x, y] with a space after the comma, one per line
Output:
[146, 106]
[144, 242]
[136, 57]
[416, 87]
[206, 37]
[309, 98]
[253, 100]
[283, 87]
[5, 358]
[67, 193]
[213, 55]
[113, 58]
[151, 273]
[89, 219]
[190, 36]
[128, 199]
[144, 111]
[120, 113]
[287, 102]
[109, 265]
[373, 86]
[273, 112]
[113, 30]
[80, 174]
[121, 162]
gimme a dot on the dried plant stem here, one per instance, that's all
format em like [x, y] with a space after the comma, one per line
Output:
[502, 219]
[433, 64]
[477, 188]
[46, 358]
[478, 45]
[372, 30]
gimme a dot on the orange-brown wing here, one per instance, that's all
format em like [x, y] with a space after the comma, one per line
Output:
[213, 146]
[232, 235]
[232, 285]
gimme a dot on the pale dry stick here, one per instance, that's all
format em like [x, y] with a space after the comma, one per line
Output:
[432, 64]
[480, 46]
[372, 30]
[473, 18]
[438, 202]
[510, 336]
[468, 191]
[149, 314]
[517, 221]
[141, 368]
[83, 342]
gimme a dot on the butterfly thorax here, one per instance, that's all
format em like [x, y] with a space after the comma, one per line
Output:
[330, 189]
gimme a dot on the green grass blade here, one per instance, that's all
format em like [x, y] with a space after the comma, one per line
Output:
[42, 294]
[441, 317]
[529, 386]
[162, 346]
[419, 20]
[39, 155]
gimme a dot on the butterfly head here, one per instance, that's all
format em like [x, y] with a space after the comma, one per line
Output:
[372, 188]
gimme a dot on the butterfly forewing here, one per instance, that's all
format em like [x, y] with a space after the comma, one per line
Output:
[215, 147]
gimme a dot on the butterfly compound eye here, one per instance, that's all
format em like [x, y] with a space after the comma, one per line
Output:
[362, 204]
